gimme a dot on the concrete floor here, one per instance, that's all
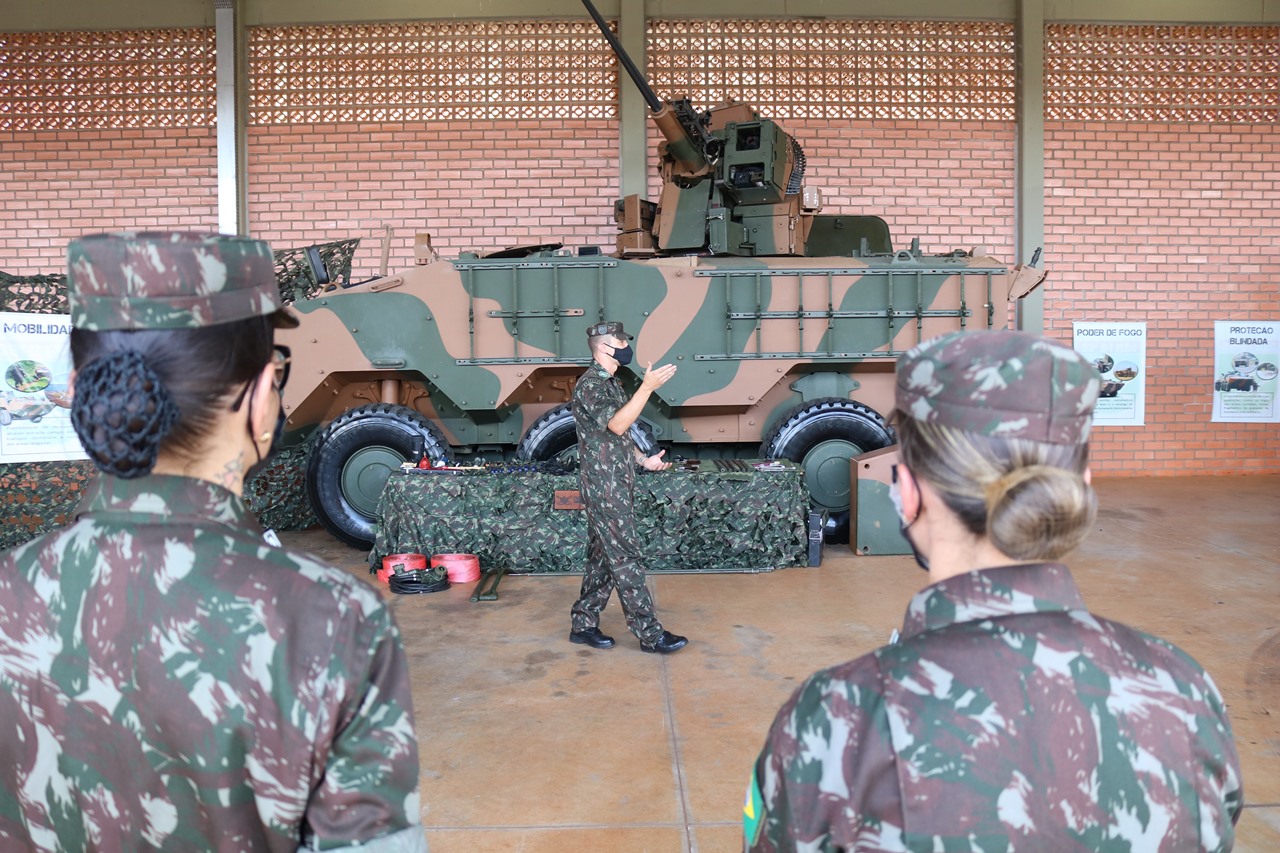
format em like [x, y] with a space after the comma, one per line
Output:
[530, 743]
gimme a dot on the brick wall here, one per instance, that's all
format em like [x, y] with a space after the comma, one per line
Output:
[474, 186]
[1174, 225]
[948, 183]
[1157, 220]
[60, 184]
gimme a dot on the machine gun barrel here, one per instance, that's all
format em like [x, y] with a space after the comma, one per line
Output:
[684, 150]
[650, 97]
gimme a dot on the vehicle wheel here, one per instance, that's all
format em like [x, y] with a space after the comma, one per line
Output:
[5, 417]
[555, 436]
[823, 435]
[352, 458]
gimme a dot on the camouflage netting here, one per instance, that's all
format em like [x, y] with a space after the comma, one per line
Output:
[278, 493]
[688, 522]
[298, 277]
[36, 497]
[34, 294]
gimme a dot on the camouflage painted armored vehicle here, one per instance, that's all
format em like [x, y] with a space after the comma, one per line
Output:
[784, 323]
[22, 407]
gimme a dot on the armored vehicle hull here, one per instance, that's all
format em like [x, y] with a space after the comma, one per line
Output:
[781, 357]
[784, 324]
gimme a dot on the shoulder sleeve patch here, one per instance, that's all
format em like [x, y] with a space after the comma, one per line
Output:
[752, 811]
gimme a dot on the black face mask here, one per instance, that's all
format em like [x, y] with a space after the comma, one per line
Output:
[623, 355]
[921, 560]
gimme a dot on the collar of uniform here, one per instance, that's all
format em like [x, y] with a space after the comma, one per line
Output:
[165, 499]
[991, 593]
[604, 374]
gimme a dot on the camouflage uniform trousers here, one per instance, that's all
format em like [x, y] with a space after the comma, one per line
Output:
[614, 561]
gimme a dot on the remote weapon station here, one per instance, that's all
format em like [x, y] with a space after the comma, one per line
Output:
[784, 321]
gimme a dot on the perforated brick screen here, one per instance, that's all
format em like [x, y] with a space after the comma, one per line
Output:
[1162, 73]
[430, 72]
[121, 79]
[792, 69]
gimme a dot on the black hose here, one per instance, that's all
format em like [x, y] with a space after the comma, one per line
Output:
[420, 581]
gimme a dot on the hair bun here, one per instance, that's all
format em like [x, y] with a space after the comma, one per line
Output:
[122, 411]
[1039, 512]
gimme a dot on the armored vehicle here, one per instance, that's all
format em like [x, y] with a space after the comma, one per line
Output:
[1235, 382]
[784, 323]
[22, 407]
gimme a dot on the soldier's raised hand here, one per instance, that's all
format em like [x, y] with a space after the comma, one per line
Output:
[656, 378]
[654, 462]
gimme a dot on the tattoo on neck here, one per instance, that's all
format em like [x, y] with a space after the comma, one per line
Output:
[233, 473]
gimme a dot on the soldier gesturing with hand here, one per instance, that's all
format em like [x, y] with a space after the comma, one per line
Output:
[604, 415]
[630, 411]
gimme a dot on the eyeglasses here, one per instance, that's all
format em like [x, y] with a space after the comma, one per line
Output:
[281, 358]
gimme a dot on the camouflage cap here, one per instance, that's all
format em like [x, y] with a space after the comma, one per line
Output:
[170, 280]
[612, 327]
[1003, 384]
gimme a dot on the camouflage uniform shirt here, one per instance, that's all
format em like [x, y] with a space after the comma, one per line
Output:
[1007, 718]
[608, 460]
[170, 681]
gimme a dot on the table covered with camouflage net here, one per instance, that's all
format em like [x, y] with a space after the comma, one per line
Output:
[690, 521]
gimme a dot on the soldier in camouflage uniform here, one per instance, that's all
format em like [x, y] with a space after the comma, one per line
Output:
[608, 459]
[1007, 717]
[168, 678]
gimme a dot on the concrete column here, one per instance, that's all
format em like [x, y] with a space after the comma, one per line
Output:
[633, 113]
[232, 116]
[1029, 169]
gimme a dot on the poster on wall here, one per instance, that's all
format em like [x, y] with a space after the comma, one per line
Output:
[1119, 351]
[1245, 355]
[35, 408]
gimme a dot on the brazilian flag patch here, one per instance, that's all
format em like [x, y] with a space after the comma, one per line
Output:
[752, 811]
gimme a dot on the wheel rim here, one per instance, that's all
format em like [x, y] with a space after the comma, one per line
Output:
[364, 476]
[568, 456]
[826, 471]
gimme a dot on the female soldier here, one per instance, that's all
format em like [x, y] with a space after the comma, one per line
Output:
[168, 679]
[1007, 717]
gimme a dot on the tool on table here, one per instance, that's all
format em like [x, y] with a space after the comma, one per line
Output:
[490, 594]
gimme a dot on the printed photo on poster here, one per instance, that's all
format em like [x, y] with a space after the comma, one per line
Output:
[1119, 351]
[35, 404]
[1245, 356]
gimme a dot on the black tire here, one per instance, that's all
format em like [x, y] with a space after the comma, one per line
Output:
[555, 436]
[822, 436]
[352, 458]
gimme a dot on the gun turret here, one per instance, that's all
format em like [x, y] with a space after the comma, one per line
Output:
[687, 140]
[733, 182]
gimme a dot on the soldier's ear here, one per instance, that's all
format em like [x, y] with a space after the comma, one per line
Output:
[909, 491]
[263, 390]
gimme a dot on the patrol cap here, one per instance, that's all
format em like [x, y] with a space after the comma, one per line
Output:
[612, 327]
[1003, 384]
[170, 280]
